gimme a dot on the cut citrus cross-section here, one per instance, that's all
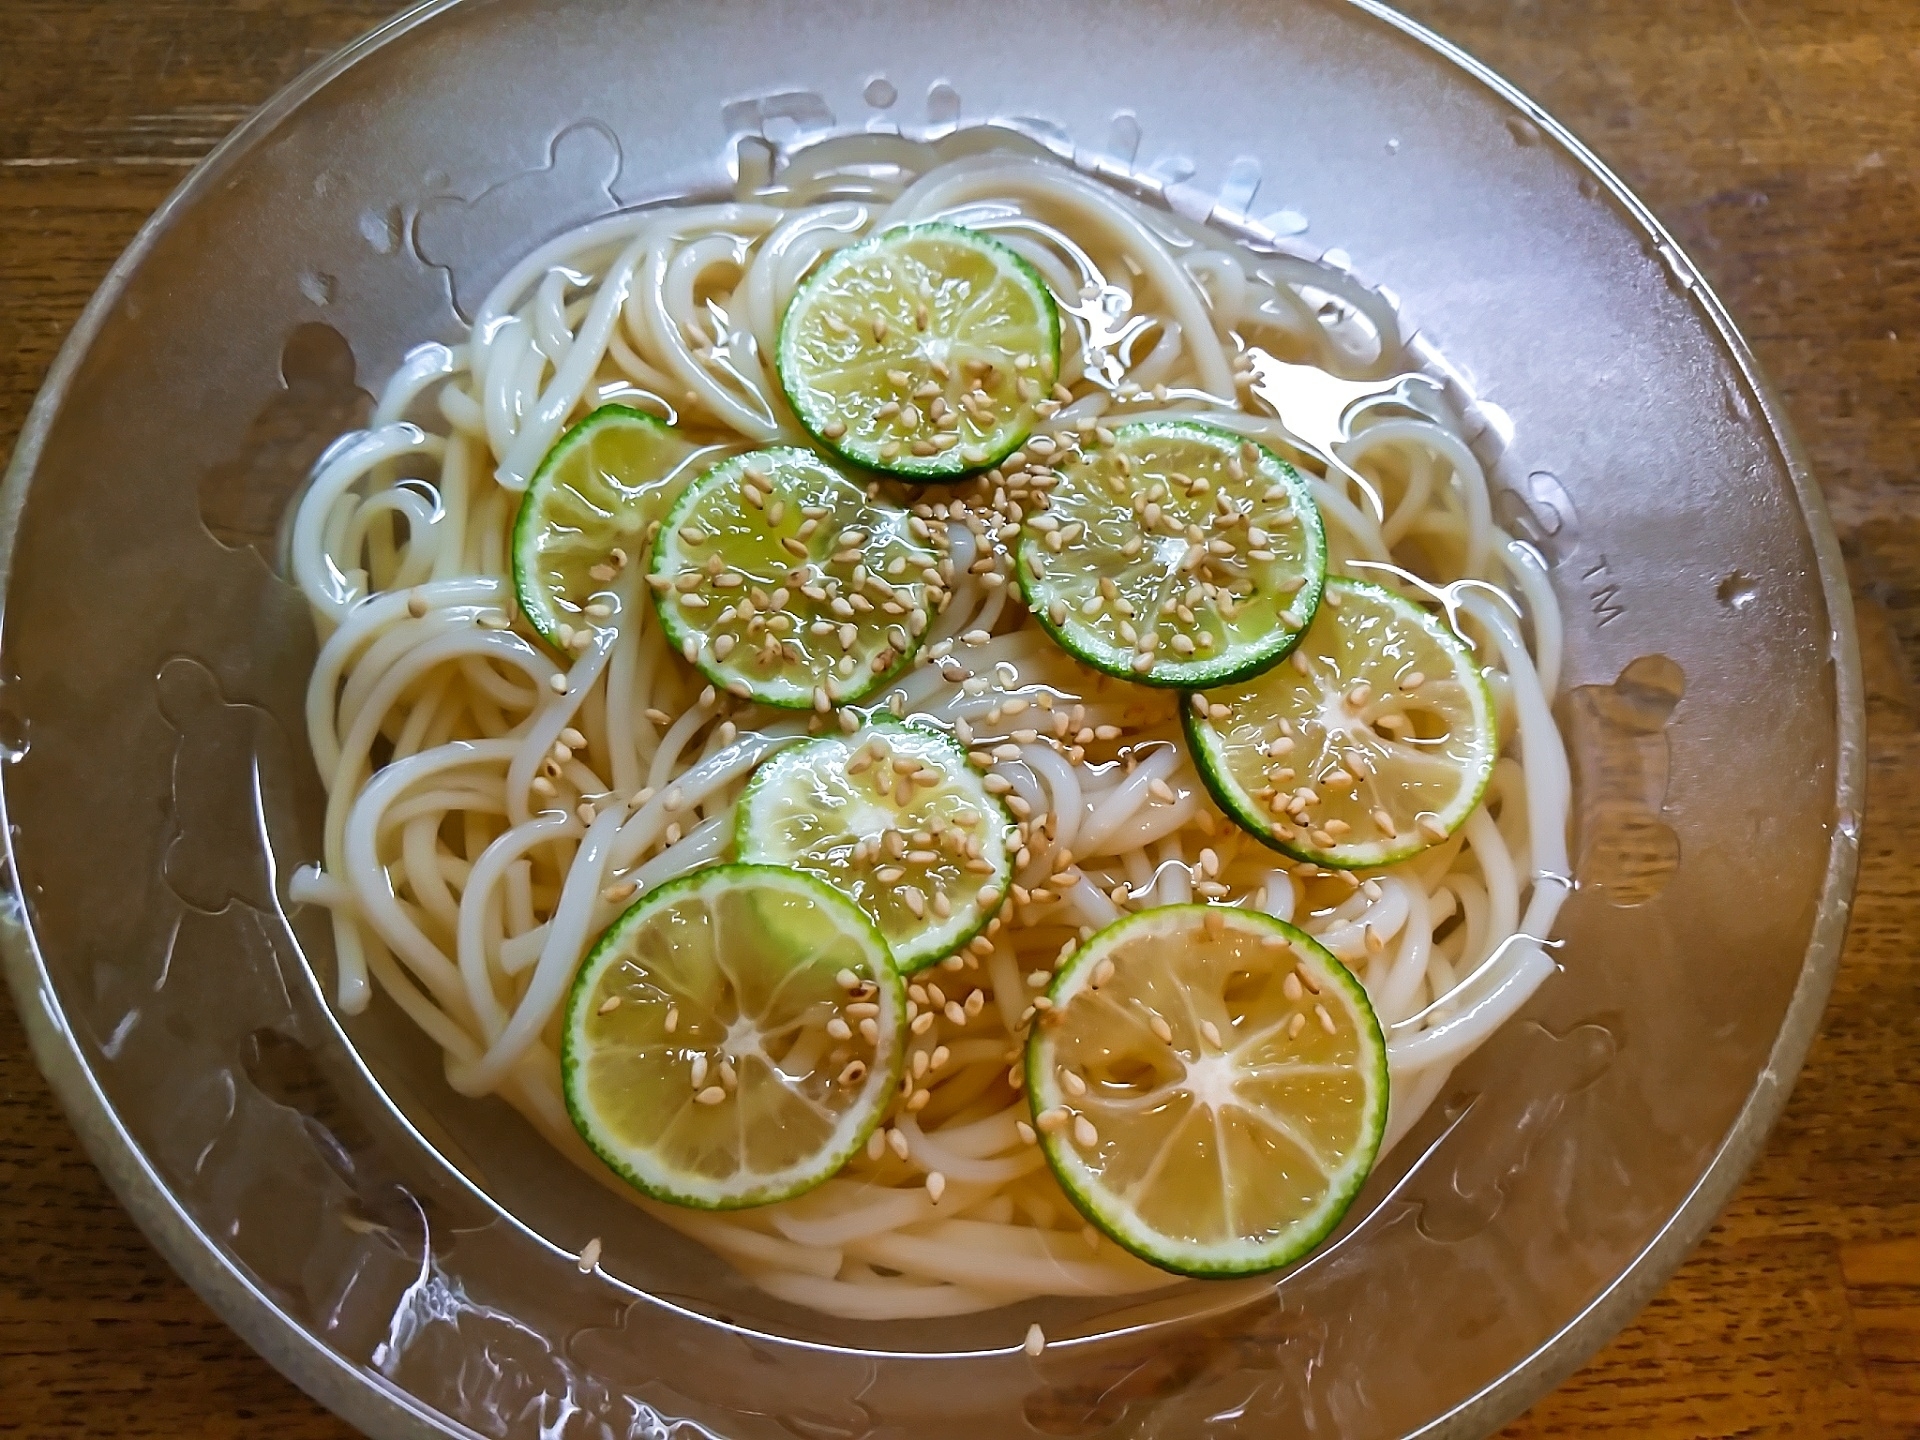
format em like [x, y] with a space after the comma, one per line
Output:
[894, 817]
[1210, 1086]
[1177, 554]
[925, 351]
[585, 516]
[733, 1038]
[783, 582]
[1375, 740]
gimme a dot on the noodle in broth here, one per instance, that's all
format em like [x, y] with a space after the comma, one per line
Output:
[469, 899]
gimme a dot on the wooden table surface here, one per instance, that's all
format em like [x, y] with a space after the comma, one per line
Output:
[1779, 138]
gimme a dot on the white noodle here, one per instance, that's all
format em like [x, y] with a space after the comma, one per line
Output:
[466, 868]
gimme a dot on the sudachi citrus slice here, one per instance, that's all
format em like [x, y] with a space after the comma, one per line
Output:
[1210, 1086]
[586, 513]
[925, 351]
[783, 582]
[894, 817]
[1179, 554]
[733, 1038]
[1373, 741]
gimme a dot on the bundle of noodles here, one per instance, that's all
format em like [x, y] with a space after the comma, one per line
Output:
[467, 866]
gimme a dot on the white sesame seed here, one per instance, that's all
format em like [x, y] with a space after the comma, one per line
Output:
[589, 1256]
[1036, 1340]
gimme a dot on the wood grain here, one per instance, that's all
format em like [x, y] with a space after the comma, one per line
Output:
[1779, 138]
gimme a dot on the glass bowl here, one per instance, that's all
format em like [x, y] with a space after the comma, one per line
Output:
[408, 1256]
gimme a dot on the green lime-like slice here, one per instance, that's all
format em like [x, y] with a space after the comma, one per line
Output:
[1179, 554]
[733, 1038]
[1375, 740]
[585, 516]
[922, 351]
[894, 817]
[784, 583]
[1210, 1086]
